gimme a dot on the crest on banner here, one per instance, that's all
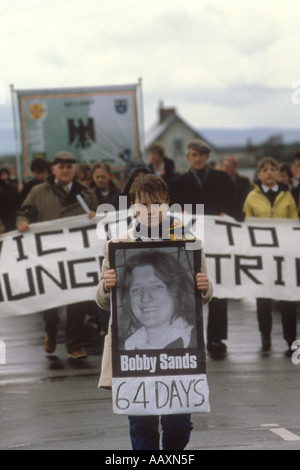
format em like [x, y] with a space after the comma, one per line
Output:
[36, 111]
[121, 106]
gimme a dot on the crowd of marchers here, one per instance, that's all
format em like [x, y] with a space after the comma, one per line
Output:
[52, 192]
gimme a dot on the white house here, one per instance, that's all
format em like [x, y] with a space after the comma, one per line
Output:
[175, 133]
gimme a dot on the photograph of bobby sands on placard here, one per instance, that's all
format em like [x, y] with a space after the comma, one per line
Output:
[157, 328]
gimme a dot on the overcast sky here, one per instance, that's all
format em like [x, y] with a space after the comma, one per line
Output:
[221, 63]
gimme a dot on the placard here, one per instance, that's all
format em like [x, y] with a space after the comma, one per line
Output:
[157, 330]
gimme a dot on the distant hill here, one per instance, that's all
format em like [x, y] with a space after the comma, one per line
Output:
[216, 136]
[240, 137]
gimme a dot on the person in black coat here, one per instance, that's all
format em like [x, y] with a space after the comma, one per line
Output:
[241, 183]
[41, 169]
[9, 200]
[214, 189]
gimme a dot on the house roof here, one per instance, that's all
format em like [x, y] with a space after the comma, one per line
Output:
[157, 130]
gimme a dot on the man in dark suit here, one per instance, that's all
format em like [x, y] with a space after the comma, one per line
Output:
[214, 189]
[241, 183]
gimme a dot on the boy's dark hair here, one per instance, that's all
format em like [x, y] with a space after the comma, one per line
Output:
[149, 184]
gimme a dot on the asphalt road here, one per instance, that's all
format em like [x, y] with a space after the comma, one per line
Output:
[50, 403]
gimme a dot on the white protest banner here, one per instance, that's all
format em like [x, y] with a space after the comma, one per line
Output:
[158, 351]
[58, 262]
[53, 264]
[255, 258]
[94, 123]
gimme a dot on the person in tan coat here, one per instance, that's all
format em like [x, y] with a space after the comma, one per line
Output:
[55, 199]
[147, 192]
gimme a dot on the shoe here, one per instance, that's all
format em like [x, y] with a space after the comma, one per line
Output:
[216, 349]
[266, 343]
[49, 345]
[291, 349]
[80, 354]
[289, 352]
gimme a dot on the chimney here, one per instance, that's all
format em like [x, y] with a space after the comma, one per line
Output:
[164, 113]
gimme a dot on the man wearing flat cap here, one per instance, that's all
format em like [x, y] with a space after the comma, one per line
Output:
[55, 199]
[214, 189]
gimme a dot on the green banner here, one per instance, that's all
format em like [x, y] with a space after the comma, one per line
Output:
[95, 124]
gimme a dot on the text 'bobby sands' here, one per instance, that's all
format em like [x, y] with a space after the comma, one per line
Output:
[166, 361]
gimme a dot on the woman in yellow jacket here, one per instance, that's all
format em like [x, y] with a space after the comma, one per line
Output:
[272, 199]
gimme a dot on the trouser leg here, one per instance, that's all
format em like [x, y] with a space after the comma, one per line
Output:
[51, 320]
[176, 431]
[289, 320]
[144, 432]
[217, 320]
[74, 326]
[264, 316]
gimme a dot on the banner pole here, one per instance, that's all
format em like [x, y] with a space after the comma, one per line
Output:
[18, 153]
[142, 138]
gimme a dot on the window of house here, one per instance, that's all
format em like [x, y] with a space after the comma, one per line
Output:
[178, 147]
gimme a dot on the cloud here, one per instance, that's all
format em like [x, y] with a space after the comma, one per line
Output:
[192, 55]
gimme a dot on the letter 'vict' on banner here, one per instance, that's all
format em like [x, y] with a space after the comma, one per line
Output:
[158, 349]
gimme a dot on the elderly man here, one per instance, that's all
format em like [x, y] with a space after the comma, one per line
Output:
[54, 199]
[214, 189]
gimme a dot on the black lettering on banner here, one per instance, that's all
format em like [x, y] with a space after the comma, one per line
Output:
[101, 258]
[62, 282]
[1, 294]
[39, 247]
[84, 231]
[94, 276]
[229, 226]
[245, 268]
[279, 281]
[30, 293]
[274, 239]
[218, 265]
[297, 261]
[18, 240]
